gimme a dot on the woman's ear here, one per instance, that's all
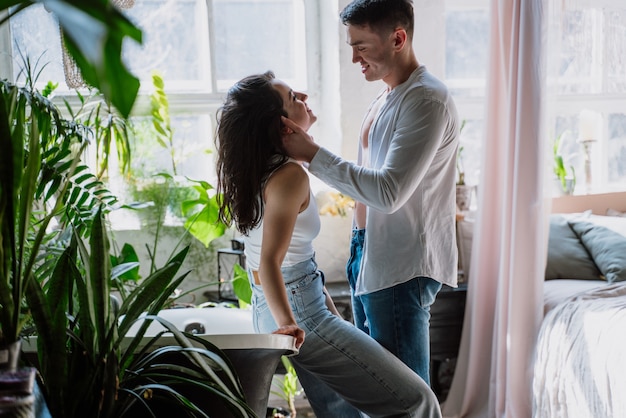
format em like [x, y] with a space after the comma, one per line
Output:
[286, 131]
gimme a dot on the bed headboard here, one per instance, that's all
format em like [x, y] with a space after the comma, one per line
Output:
[598, 203]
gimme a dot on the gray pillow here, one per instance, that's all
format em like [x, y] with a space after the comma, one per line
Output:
[567, 256]
[605, 239]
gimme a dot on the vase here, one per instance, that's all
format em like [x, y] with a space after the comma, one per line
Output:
[566, 190]
[464, 196]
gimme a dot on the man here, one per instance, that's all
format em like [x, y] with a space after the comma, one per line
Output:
[404, 179]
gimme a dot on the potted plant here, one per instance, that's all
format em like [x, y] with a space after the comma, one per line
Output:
[90, 368]
[66, 296]
[565, 179]
[287, 390]
[20, 162]
[463, 191]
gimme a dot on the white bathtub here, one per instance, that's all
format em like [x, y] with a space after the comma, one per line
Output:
[255, 357]
[201, 321]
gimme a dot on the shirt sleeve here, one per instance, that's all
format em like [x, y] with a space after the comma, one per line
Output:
[418, 132]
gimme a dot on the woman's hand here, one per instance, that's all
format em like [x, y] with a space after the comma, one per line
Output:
[293, 330]
[297, 143]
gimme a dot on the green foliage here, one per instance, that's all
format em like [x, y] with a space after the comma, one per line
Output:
[42, 179]
[106, 127]
[202, 214]
[94, 31]
[288, 385]
[161, 122]
[559, 168]
[88, 366]
[241, 286]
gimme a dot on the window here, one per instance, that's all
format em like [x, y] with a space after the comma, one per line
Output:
[587, 42]
[587, 71]
[200, 48]
[466, 59]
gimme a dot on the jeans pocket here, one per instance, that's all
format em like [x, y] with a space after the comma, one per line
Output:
[428, 291]
[306, 294]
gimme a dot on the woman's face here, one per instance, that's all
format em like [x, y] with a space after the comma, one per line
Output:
[294, 104]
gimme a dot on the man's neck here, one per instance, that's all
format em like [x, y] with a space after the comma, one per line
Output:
[402, 73]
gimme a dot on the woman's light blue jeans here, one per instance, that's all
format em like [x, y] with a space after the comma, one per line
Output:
[397, 317]
[338, 359]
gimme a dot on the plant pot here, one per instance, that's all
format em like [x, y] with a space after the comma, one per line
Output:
[277, 412]
[464, 196]
[568, 190]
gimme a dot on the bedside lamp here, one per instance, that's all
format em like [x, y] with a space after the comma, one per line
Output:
[588, 133]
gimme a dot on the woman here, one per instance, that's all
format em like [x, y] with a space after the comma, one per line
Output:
[268, 198]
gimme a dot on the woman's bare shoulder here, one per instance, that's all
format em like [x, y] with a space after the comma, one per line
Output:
[290, 175]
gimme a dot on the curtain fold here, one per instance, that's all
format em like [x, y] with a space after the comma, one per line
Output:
[505, 294]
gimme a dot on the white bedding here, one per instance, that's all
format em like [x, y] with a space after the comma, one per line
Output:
[580, 369]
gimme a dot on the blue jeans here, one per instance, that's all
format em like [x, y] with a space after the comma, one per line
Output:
[339, 365]
[352, 271]
[397, 317]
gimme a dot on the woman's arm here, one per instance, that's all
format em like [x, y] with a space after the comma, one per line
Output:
[286, 194]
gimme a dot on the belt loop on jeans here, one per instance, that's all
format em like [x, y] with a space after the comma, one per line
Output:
[255, 274]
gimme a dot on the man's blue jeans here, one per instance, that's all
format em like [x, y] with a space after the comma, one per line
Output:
[397, 317]
[343, 370]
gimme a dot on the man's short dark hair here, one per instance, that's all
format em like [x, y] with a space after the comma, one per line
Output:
[382, 16]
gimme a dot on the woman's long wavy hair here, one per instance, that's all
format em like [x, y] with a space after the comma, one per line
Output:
[249, 148]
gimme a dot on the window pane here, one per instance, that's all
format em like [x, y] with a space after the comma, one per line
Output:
[616, 56]
[471, 141]
[580, 58]
[175, 42]
[617, 149]
[191, 149]
[36, 36]
[256, 36]
[467, 34]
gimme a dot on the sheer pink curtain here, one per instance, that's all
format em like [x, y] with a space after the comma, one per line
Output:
[504, 307]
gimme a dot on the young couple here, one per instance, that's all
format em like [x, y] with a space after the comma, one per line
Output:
[403, 246]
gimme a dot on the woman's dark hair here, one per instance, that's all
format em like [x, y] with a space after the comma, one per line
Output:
[383, 16]
[249, 148]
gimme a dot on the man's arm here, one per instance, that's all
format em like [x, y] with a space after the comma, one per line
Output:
[417, 137]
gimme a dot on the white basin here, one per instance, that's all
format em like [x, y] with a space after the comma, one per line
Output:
[255, 357]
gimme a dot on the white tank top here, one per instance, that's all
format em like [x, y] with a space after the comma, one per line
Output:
[300, 249]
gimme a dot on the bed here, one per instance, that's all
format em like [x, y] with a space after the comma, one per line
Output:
[580, 366]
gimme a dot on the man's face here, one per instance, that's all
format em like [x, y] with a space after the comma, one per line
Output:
[373, 52]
